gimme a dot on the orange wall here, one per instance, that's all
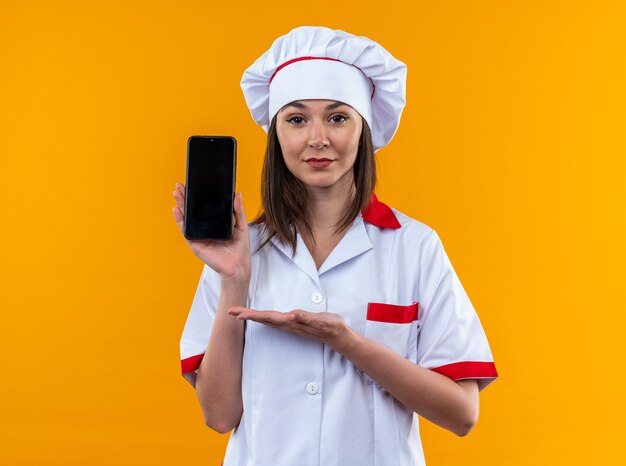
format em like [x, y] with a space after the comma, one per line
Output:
[511, 146]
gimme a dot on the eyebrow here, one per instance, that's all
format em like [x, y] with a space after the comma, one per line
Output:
[300, 105]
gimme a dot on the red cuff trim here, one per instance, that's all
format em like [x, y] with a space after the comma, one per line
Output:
[191, 364]
[380, 214]
[381, 312]
[468, 370]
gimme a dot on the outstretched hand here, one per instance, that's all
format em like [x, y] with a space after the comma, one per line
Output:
[325, 327]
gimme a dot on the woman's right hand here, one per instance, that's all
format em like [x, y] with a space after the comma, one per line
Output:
[231, 258]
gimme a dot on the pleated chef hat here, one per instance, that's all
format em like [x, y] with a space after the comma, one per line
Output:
[320, 63]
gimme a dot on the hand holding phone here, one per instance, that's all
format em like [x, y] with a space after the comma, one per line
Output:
[231, 259]
[215, 164]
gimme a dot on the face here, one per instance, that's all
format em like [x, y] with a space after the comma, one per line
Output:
[319, 140]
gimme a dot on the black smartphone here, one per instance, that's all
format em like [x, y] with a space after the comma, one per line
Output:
[210, 187]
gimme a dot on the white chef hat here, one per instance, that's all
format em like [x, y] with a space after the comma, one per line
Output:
[320, 63]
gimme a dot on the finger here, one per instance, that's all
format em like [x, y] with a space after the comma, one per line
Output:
[180, 199]
[248, 314]
[178, 217]
[287, 326]
[265, 317]
[236, 310]
[244, 313]
[181, 188]
[301, 316]
[241, 223]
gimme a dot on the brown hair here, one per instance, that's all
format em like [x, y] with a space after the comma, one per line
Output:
[284, 197]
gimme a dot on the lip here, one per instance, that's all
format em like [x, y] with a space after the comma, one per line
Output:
[318, 163]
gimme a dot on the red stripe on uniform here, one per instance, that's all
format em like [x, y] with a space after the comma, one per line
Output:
[381, 312]
[191, 364]
[468, 370]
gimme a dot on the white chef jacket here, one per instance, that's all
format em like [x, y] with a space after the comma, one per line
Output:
[305, 404]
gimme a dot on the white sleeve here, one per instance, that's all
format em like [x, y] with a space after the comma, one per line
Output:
[197, 330]
[451, 340]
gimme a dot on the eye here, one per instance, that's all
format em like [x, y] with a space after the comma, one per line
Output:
[338, 118]
[295, 120]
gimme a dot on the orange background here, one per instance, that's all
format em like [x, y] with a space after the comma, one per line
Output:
[512, 146]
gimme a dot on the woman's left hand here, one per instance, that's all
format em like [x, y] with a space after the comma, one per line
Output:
[325, 327]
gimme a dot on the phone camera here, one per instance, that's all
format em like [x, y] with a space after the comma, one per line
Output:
[211, 140]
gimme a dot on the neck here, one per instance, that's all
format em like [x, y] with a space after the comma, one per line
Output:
[329, 205]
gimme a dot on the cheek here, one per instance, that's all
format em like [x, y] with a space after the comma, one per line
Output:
[352, 142]
[289, 145]
[291, 155]
[289, 152]
[351, 146]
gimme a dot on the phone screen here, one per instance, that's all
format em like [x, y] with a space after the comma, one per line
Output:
[210, 187]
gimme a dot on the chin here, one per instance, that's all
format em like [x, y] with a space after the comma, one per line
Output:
[323, 178]
[319, 181]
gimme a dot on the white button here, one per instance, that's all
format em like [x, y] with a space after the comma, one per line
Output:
[312, 388]
[317, 298]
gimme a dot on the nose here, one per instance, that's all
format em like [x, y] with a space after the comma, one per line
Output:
[318, 138]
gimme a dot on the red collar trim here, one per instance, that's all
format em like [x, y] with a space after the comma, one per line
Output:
[380, 214]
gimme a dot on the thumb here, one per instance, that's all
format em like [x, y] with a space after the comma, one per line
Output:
[241, 222]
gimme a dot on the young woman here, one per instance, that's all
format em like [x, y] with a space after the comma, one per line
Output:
[322, 330]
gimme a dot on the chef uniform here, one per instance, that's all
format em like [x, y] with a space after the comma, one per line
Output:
[389, 277]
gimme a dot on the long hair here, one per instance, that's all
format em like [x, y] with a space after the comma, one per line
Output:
[284, 197]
